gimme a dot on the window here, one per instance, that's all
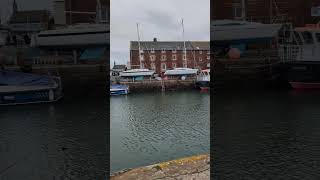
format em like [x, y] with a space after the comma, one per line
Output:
[142, 58]
[237, 11]
[200, 52]
[152, 50]
[142, 65]
[184, 65]
[315, 11]
[174, 57]
[163, 50]
[318, 37]
[208, 57]
[307, 36]
[153, 66]
[141, 51]
[174, 65]
[200, 59]
[163, 58]
[152, 57]
[174, 51]
[184, 57]
[163, 66]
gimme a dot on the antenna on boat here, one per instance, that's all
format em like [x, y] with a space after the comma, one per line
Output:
[184, 43]
[139, 46]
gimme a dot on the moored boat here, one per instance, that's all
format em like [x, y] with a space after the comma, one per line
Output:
[118, 89]
[203, 79]
[303, 57]
[23, 88]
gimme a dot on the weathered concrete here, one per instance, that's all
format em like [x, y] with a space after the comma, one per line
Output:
[155, 85]
[190, 168]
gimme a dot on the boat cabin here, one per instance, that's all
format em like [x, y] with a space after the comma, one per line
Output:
[134, 75]
[181, 74]
[307, 40]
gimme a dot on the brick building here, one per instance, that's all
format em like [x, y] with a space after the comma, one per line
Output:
[81, 11]
[299, 12]
[164, 55]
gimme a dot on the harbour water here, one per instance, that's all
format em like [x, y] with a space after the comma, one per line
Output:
[148, 128]
[64, 140]
[266, 134]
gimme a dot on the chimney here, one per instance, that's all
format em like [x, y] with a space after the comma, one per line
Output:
[154, 39]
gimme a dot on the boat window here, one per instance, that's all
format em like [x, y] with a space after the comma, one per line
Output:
[297, 36]
[318, 37]
[307, 36]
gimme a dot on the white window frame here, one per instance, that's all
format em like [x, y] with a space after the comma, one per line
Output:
[174, 57]
[174, 50]
[165, 66]
[163, 57]
[142, 65]
[153, 66]
[200, 52]
[174, 65]
[184, 64]
[208, 57]
[237, 7]
[163, 50]
[200, 59]
[184, 57]
[152, 50]
[152, 58]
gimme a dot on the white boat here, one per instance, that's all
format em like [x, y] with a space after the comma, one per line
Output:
[181, 71]
[137, 72]
[74, 35]
[203, 79]
[235, 30]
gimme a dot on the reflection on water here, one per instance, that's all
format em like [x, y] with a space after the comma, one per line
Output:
[150, 128]
[266, 135]
[54, 141]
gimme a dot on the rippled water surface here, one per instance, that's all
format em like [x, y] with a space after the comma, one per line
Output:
[65, 140]
[154, 127]
[266, 135]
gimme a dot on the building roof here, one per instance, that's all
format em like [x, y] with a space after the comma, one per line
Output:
[170, 45]
[33, 16]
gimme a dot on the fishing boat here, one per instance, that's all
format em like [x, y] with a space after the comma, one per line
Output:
[303, 57]
[203, 79]
[24, 88]
[118, 89]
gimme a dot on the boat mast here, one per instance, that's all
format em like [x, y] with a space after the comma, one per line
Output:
[139, 46]
[243, 9]
[184, 43]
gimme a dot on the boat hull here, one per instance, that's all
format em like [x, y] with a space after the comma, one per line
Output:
[30, 96]
[305, 85]
[119, 90]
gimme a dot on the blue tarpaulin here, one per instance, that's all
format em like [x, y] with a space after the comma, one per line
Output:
[93, 53]
[24, 79]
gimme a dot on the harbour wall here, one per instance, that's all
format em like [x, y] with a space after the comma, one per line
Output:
[195, 167]
[155, 85]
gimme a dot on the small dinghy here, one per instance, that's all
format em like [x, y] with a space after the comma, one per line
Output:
[25, 88]
[118, 89]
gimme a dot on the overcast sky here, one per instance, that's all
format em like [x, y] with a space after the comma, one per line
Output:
[6, 6]
[157, 18]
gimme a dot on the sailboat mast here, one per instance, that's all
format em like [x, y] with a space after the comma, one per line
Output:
[243, 9]
[184, 44]
[140, 59]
